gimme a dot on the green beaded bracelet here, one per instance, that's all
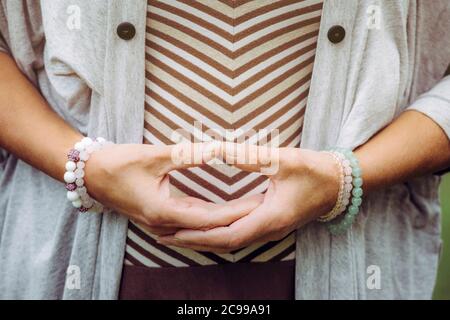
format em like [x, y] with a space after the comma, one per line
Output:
[352, 210]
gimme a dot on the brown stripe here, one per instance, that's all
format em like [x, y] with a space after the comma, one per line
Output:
[206, 184]
[268, 22]
[284, 253]
[268, 86]
[293, 136]
[192, 33]
[160, 247]
[220, 84]
[249, 187]
[192, 67]
[228, 180]
[273, 35]
[147, 254]
[266, 122]
[264, 248]
[157, 134]
[186, 100]
[221, 67]
[179, 113]
[235, 3]
[266, 106]
[237, 53]
[277, 65]
[191, 50]
[168, 122]
[188, 191]
[209, 10]
[221, 102]
[134, 262]
[254, 13]
[191, 17]
[266, 55]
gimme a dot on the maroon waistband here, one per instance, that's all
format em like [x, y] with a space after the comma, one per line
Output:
[233, 281]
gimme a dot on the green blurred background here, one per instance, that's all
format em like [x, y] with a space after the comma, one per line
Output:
[442, 289]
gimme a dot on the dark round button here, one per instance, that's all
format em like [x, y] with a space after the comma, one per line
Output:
[126, 31]
[336, 34]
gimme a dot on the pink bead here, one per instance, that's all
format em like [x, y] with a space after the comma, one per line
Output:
[83, 209]
[71, 186]
[73, 155]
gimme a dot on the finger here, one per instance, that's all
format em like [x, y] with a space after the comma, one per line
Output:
[262, 159]
[199, 214]
[162, 231]
[186, 155]
[239, 234]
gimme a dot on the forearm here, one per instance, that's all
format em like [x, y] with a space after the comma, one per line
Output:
[29, 128]
[411, 146]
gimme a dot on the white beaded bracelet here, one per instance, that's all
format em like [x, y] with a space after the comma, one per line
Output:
[74, 175]
[345, 188]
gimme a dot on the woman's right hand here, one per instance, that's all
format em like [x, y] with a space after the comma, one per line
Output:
[133, 180]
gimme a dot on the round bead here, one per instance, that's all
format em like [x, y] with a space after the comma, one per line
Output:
[81, 165]
[357, 182]
[348, 179]
[87, 141]
[348, 187]
[88, 203]
[356, 172]
[72, 195]
[345, 202]
[349, 218]
[346, 163]
[69, 177]
[90, 149]
[71, 166]
[82, 191]
[357, 201]
[348, 171]
[73, 155]
[79, 182]
[353, 210]
[357, 192]
[71, 187]
[79, 146]
[79, 173]
[354, 162]
[84, 156]
[85, 197]
[77, 203]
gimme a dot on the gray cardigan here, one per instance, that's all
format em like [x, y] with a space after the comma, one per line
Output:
[95, 81]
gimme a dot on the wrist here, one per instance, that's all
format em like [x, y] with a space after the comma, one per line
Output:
[324, 174]
[74, 175]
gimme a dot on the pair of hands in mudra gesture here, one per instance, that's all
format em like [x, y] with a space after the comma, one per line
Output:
[133, 180]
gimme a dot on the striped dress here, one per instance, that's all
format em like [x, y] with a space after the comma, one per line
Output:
[242, 67]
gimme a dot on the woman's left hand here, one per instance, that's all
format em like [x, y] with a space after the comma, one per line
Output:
[303, 186]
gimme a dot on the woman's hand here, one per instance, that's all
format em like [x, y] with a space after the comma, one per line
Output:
[303, 186]
[132, 179]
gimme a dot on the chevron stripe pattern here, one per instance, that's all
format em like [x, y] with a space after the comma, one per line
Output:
[222, 69]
